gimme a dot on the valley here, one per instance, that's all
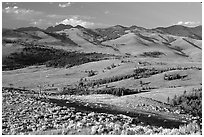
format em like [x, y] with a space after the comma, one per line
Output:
[114, 80]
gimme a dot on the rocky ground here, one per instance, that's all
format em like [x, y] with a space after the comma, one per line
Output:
[23, 112]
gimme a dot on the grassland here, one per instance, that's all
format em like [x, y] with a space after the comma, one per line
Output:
[127, 80]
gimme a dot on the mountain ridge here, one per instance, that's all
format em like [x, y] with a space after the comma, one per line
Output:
[172, 41]
[179, 30]
[176, 30]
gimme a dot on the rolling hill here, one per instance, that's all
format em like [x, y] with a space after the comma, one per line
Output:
[152, 75]
[172, 42]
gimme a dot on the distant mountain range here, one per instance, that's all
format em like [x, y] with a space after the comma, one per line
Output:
[167, 42]
[178, 30]
[115, 31]
[58, 28]
[29, 29]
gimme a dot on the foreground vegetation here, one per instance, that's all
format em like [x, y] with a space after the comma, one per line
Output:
[37, 115]
[190, 103]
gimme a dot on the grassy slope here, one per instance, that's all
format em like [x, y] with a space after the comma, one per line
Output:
[163, 93]
[78, 37]
[10, 48]
[148, 42]
[32, 76]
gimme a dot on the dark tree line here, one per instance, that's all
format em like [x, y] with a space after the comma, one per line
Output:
[40, 55]
[138, 73]
[112, 91]
[154, 54]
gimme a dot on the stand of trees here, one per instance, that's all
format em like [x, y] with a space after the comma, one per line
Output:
[191, 103]
[40, 55]
[112, 91]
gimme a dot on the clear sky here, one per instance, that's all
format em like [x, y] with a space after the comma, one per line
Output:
[101, 14]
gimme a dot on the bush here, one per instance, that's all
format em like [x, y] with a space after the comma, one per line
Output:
[91, 73]
[113, 65]
[173, 76]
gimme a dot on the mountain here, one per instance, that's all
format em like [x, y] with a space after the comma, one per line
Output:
[174, 41]
[179, 30]
[136, 27]
[79, 27]
[34, 34]
[9, 33]
[111, 32]
[116, 31]
[28, 29]
[58, 28]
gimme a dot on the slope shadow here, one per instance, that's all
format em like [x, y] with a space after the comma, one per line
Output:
[137, 115]
[192, 44]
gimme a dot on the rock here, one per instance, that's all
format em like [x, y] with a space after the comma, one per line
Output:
[79, 125]
[77, 118]
[125, 126]
[149, 132]
[100, 119]
[78, 113]
[64, 107]
[78, 130]
[130, 131]
[94, 130]
[174, 132]
[165, 131]
[117, 126]
[91, 114]
[4, 126]
[100, 131]
[97, 123]
[111, 133]
[123, 132]
[177, 112]
[89, 124]
[4, 119]
[107, 119]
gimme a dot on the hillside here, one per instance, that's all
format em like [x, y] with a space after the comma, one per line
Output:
[178, 30]
[29, 29]
[58, 28]
[114, 80]
[112, 39]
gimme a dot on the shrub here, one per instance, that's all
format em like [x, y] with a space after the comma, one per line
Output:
[173, 76]
[108, 67]
[113, 65]
[91, 73]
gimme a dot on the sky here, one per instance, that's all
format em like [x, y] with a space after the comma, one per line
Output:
[101, 14]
